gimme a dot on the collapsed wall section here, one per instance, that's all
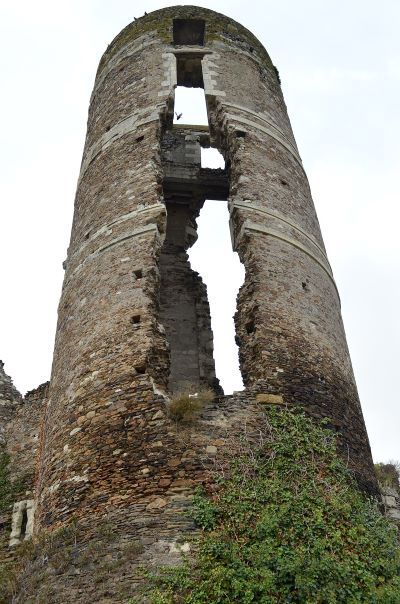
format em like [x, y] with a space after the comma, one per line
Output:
[184, 307]
[10, 398]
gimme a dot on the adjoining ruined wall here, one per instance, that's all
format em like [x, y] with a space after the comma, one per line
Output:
[20, 420]
[108, 447]
[23, 435]
[391, 502]
[10, 398]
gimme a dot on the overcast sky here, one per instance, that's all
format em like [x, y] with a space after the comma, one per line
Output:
[339, 63]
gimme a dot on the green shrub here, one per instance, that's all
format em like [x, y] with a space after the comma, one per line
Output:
[287, 525]
[388, 474]
[186, 404]
[6, 489]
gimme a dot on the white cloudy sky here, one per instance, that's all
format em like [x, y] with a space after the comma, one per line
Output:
[339, 62]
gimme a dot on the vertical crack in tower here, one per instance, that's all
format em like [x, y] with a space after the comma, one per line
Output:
[184, 308]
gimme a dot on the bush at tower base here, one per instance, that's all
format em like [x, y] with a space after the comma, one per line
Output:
[286, 524]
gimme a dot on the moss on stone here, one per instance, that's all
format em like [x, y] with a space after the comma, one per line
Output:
[6, 486]
[218, 28]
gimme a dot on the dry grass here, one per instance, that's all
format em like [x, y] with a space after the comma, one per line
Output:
[188, 403]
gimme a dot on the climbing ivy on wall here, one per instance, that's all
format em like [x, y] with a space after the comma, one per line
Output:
[286, 525]
[9, 489]
[6, 489]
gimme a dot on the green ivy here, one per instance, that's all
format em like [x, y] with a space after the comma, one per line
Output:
[6, 489]
[388, 474]
[9, 489]
[288, 525]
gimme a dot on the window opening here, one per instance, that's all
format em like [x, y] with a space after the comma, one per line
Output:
[222, 271]
[212, 158]
[190, 102]
[24, 523]
[189, 31]
[189, 70]
[190, 106]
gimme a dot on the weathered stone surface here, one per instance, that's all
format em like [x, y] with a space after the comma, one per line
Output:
[391, 503]
[20, 419]
[10, 398]
[269, 399]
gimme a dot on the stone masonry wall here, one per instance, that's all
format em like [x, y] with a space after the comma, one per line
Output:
[391, 502]
[104, 561]
[23, 435]
[108, 450]
[20, 419]
[185, 314]
[10, 398]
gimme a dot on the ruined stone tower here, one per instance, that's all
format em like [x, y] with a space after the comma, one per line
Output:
[134, 321]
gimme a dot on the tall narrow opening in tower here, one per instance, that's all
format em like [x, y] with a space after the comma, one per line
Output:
[223, 272]
[190, 179]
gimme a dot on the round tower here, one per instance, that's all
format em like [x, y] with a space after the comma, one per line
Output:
[134, 322]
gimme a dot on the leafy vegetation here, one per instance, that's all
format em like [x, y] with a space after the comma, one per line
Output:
[388, 474]
[6, 489]
[10, 490]
[286, 525]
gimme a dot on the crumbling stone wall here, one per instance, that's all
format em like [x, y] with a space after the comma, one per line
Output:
[184, 308]
[391, 502]
[107, 443]
[23, 435]
[10, 398]
[20, 419]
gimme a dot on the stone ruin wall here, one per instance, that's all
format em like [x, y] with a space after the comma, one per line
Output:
[134, 320]
[20, 419]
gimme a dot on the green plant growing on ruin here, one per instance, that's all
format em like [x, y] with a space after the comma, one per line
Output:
[186, 404]
[10, 489]
[286, 524]
[5, 483]
[388, 474]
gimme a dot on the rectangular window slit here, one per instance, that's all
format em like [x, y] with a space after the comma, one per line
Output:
[24, 523]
